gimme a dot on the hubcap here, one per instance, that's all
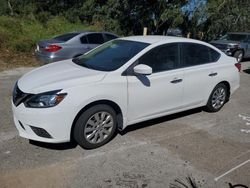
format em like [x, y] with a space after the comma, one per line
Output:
[98, 127]
[219, 98]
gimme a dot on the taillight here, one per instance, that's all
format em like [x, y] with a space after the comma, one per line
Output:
[52, 48]
[238, 66]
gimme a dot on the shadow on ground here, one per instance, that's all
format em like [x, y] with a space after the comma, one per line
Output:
[247, 71]
[61, 146]
[159, 120]
[72, 145]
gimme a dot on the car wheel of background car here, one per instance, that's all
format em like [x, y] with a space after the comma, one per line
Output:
[217, 98]
[95, 126]
[239, 55]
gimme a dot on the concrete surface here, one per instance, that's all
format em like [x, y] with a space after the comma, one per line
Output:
[156, 153]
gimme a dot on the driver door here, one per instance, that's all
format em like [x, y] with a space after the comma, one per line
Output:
[161, 92]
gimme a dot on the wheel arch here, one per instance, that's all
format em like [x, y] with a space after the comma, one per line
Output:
[227, 84]
[240, 49]
[112, 104]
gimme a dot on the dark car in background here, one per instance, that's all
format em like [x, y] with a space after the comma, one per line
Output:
[235, 44]
[70, 45]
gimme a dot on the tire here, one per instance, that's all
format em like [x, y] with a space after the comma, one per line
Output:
[90, 131]
[239, 55]
[217, 98]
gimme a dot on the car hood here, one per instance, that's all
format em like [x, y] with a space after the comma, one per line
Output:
[59, 75]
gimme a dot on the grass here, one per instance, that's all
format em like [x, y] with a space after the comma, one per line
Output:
[19, 36]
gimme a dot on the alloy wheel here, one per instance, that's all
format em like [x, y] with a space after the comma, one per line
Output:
[218, 98]
[98, 127]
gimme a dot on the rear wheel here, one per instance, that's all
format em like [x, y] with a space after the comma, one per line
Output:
[95, 126]
[217, 98]
[239, 55]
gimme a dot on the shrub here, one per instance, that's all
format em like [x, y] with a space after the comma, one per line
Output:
[21, 35]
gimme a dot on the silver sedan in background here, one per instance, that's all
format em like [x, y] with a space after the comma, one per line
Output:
[70, 45]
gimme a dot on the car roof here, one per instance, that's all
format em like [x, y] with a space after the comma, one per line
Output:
[86, 32]
[240, 33]
[150, 39]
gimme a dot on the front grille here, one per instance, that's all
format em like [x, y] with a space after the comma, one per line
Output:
[18, 96]
[40, 132]
[220, 46]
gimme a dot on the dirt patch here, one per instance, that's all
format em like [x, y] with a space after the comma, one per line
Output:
[9, 60]
[56, 175]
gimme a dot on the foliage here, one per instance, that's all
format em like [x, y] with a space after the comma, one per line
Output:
[24, 22]
[21, 35]
[226, 15]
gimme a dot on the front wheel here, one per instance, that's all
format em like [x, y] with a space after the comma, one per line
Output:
[217, 98]
[95, 126]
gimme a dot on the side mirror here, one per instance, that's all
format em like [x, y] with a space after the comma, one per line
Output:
[143, 69]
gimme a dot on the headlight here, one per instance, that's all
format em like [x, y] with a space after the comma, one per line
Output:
[45, 100]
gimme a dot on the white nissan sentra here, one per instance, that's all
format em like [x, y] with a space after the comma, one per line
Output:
[120, 83]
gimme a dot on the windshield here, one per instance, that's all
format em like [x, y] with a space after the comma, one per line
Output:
[234, 37]
[111, 55]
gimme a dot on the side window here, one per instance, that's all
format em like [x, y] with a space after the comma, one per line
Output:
[162, 58]
[84, 40]
[214, 55]
[110, 37]
[248, 39]
[196, 54]
[95, 38]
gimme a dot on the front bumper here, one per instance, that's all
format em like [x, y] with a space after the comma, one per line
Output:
[44, 125]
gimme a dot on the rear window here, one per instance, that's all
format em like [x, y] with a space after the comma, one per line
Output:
[66, 37]
[234, 37]
[110, 37]
[214, 55]
[84, 40]
[197, 54]
[95, 38]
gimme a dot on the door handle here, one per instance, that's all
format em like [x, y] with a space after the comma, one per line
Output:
[213, 74]
[175, 81]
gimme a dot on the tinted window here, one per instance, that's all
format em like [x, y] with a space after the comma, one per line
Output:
[110, 56]
[234, 37]
[161, 58]
[248, 40]
[66, 37]
[110, 37]
[197, 54]
[214, 55]
[84, 40]
[95, 38]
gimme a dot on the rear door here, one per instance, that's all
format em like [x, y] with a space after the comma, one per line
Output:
[198, 63]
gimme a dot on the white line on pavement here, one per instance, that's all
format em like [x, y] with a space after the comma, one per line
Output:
[231, 170]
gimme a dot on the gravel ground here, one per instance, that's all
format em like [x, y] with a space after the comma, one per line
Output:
[211, 148]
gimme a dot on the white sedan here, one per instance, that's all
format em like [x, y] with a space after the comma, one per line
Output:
[120, 83]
